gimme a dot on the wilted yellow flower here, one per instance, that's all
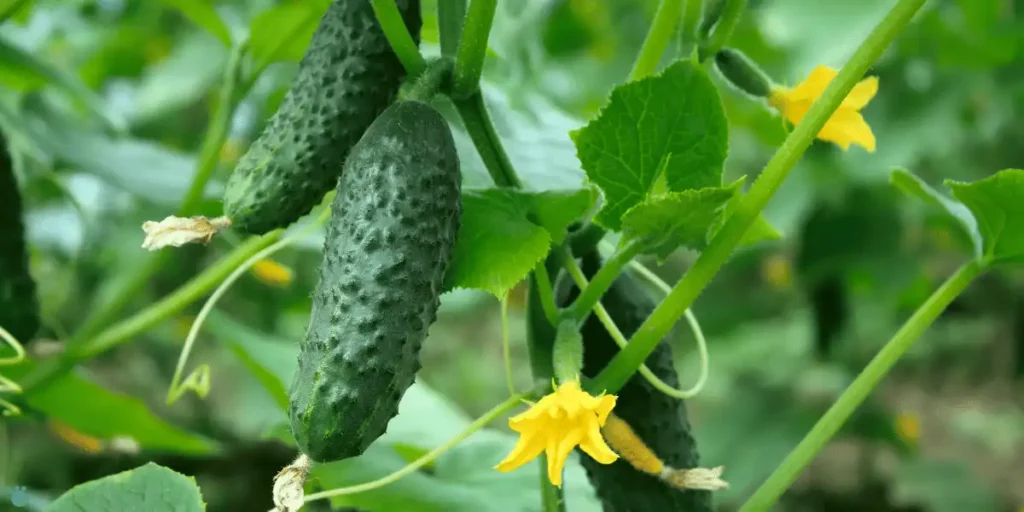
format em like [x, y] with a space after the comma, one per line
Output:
[272, 272]
[846, 126]
[558, 423]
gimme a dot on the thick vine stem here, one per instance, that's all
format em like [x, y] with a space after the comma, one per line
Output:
[626, 363]
[589, 296]
[451, 14]
[434, 80]
[398, 36]
[486, 140]
[858, 391]
[473, 47]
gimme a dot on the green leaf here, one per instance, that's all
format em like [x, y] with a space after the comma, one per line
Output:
[24, 71]
[997, 203]
[18, 10]
[915, 187]
[663, 223]
[505, 233]
[150, 487]
[202, 13]
[272, 361]
[942, 486]
[184, 78]
[283, 32]
[674, 120]
[99, 412]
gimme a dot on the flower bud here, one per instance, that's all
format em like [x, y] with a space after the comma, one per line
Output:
[743, 73]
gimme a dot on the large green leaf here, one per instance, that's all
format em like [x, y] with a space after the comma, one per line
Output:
[663, 223]
[671, 124]
[149, 488]
[997, 203]
[505, 233]
[99, 412]
[203, 13]
[915, 187]
[283, 32]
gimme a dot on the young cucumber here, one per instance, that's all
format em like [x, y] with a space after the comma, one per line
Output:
[660, 421]
[348, 75]
[390, 238]
[19, 309]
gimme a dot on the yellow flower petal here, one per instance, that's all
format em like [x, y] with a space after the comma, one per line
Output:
[558, 451]
[272, 272]
[813, 85]
[861, 94]
[595, 446]
[526, 449]
[847, 127]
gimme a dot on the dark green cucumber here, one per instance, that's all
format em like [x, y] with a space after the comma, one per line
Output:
[19, 308]
[660, 421]
[347, 77]
[388, 244]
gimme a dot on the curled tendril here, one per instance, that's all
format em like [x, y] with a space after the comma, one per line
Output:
[7, 385]
[198, 380]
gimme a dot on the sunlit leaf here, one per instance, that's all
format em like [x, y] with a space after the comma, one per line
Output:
[671, 123]
[203, 13]
[283, 32]
[997, 203]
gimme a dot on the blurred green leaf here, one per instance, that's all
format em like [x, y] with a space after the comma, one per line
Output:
[671, 123]
[272, 361]
[663, 223]
[24, 72]
[997, 203]
[18, 10]
[97, 411]
[203, 13]
[283, 32]
[941, 486]
[498, 242]
[760, 231]
[194, 66]
[150, 487]
[915, 187]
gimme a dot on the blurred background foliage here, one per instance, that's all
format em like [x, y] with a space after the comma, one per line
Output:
[106, 103]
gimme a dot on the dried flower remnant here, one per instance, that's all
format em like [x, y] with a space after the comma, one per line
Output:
[177, 231]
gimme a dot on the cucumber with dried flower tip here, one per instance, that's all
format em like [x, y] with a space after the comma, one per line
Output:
[389, 241]
[659, 420]
[347, 77]
[19, 307]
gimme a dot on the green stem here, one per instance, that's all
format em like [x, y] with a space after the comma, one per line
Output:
[451, 14]
[434, 80]
[545, 292]
[658, 38]
[646, 338]
[157, 312]
[473, 48]
[398, 36]
[861, 387]
[567, 356]
[552, 499]
[485, 138]
[209, 156]
[604, 278]
[723, 30]
[691, 20]
[586, 238]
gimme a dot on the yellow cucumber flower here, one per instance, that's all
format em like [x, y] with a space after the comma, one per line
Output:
[846, 126]
[558, 423]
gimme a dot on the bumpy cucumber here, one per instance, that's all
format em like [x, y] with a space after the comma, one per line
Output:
[661, 422]
[390, 238]
[347, 77]
[19, 309]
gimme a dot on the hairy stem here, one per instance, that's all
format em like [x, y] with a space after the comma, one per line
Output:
[473, 47]
[485, 138]
[723, 30]
[862, 386]
[398, 36]
[658, 37]
[626, 363]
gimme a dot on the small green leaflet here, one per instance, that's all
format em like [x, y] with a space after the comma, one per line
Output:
[506, 232]
[663, 223]
[915, 187]
[760, 231]
[202, 13]
[676, 113]
[997, 203]
[151, 487]
[282, 32]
